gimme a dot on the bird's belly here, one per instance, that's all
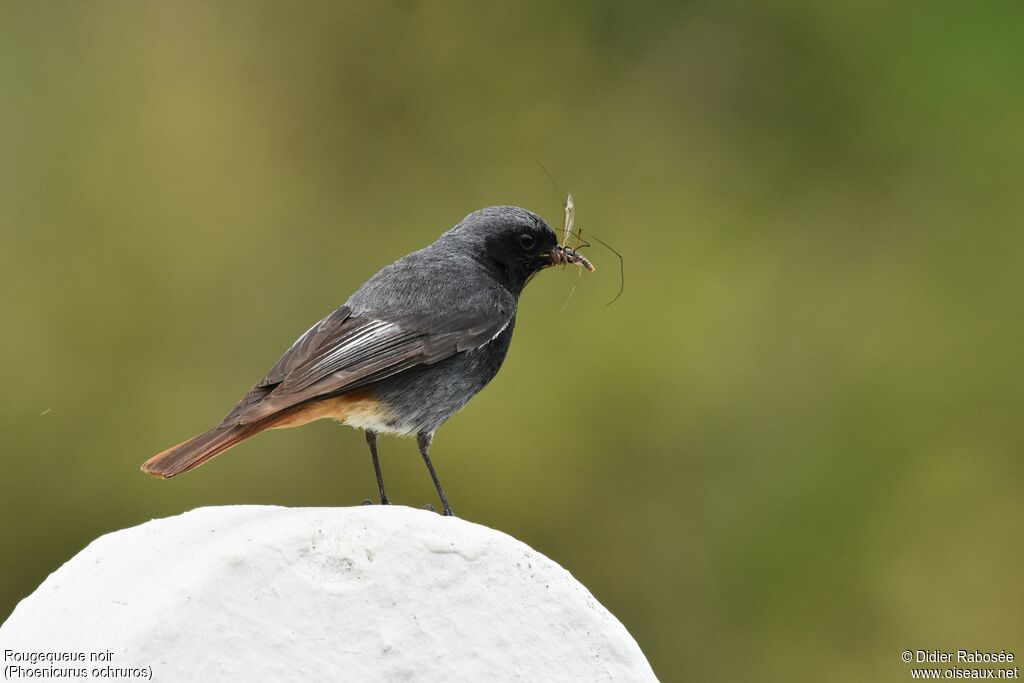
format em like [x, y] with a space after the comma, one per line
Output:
[383, 423]
[422, 398]
[360, 409]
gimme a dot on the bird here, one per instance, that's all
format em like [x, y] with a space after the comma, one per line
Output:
[407, 350]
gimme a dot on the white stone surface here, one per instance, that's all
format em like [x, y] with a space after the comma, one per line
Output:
[254, 593]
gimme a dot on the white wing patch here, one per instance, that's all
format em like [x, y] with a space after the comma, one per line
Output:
[498, 332]
[367, 335]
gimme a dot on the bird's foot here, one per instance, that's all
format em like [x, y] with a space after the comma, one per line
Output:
[385, 501]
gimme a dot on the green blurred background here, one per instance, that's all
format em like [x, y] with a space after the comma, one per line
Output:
[790, 451]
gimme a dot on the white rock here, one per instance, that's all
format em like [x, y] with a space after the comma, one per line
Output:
[373, 593]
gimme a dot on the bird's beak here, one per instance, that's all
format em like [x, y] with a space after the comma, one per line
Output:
[562, 254]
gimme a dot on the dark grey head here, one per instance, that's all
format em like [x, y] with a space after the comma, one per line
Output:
[513, 243]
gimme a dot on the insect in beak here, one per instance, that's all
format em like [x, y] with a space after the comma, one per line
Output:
[562, 254]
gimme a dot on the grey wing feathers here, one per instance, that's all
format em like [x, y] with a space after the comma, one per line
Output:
[344, 352]
[306, 345]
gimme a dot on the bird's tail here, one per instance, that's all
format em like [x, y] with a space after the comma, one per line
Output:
[197, 450]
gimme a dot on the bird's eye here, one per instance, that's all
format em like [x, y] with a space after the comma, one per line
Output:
[526, 240]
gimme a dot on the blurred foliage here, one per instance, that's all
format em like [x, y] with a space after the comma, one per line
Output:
[790, 450]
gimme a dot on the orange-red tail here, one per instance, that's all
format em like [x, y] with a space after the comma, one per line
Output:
[197, 450]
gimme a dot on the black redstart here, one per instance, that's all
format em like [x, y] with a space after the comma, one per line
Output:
[408, 349]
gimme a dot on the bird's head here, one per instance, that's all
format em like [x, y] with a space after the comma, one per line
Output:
[512, 242]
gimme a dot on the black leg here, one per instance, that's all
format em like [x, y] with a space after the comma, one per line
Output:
[371, 441]
[423, 440]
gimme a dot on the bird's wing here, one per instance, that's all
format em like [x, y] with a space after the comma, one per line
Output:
[345, 351]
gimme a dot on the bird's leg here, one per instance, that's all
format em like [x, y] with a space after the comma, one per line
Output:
[423, 440]
[371, 441]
